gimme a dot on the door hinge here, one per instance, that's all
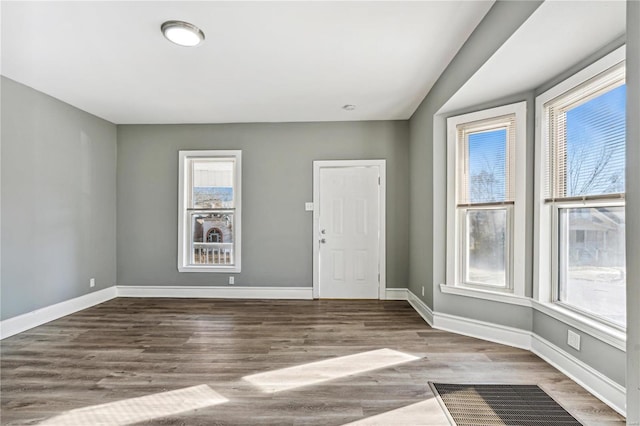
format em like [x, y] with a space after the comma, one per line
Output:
[378, 277]
[379, 181]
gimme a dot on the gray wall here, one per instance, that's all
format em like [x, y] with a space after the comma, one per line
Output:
[58, 201]
[633, 212]
[277, 180]
[603, 357]
[429, 198]
[427, 216]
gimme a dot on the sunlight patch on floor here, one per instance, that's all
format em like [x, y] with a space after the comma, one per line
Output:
[423, 413]
[322, 371]
[140, 409]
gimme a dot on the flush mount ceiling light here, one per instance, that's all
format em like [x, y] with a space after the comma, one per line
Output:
[348, 107]
[182, 33]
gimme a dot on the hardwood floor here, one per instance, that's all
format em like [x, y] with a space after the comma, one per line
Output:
[93, 365]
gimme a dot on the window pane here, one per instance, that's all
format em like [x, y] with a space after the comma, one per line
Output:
[212, 183]
[595, 144]
[592, 261]
[487, 171]
[486, 247]
[212, 238]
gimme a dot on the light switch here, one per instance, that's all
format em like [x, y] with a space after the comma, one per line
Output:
[308, 207]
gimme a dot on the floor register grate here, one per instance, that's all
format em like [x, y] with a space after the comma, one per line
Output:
[485, 404]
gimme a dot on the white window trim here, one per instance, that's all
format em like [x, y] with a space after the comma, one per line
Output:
[183, 228]
[545, 245]
[518, 252]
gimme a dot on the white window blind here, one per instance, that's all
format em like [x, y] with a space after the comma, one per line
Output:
[485, 166]
[586, 139]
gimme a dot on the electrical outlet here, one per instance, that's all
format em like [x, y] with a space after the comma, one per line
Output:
[308, 207]
[573, 340]
[422, 291]
[92, 282]
[232, 280]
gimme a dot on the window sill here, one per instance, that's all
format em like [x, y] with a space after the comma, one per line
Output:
[219, 269]
[495, 296]
[596, 329]
[599, 330]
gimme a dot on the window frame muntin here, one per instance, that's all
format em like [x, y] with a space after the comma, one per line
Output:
[185, 185]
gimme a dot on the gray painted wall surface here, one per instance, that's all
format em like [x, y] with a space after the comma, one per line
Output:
[633, 212]
[428, 161]
[58, 201]
[606, 359]
[509, 315]
[277, 180]
[427, 217]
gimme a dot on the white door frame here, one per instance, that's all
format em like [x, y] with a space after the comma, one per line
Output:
[382, 247]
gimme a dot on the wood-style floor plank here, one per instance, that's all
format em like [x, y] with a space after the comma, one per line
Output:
[132, 348]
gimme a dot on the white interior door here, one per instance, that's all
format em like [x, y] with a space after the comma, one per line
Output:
[349, 231]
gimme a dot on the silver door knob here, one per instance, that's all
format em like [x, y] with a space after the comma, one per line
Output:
[323, 241]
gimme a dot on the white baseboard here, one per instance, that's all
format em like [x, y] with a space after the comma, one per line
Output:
[396, 294]
[483, 330]
[421, 308]
[24, 322]
[602, 387]
[230, 292]
[596, 383]
[592, 380]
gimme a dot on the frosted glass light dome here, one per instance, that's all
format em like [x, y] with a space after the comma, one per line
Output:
[182, 33]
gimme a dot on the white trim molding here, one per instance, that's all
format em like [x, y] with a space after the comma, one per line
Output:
[230, 292]
[596, 383]
[396, 294]
[516, 250]
[381, 165]
[421, 308]
[185, 182]
[504, 335]
[486, 295]
[594, 328]
[20, 323]
[602, 387]
[608, 391]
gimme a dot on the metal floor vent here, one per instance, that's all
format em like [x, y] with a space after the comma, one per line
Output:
[476, 405]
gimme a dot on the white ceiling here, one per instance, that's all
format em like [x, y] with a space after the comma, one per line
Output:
[260, 62]
[557, 36]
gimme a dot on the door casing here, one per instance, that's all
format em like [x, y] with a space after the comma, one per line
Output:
[381, 165]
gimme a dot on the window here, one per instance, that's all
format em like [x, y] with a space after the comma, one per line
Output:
[214, 235]
[209, 215]
[582, 178]
[486, 187]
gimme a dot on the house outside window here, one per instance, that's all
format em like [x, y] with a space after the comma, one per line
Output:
[209, 211]
[581, 180]
[486, 173]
